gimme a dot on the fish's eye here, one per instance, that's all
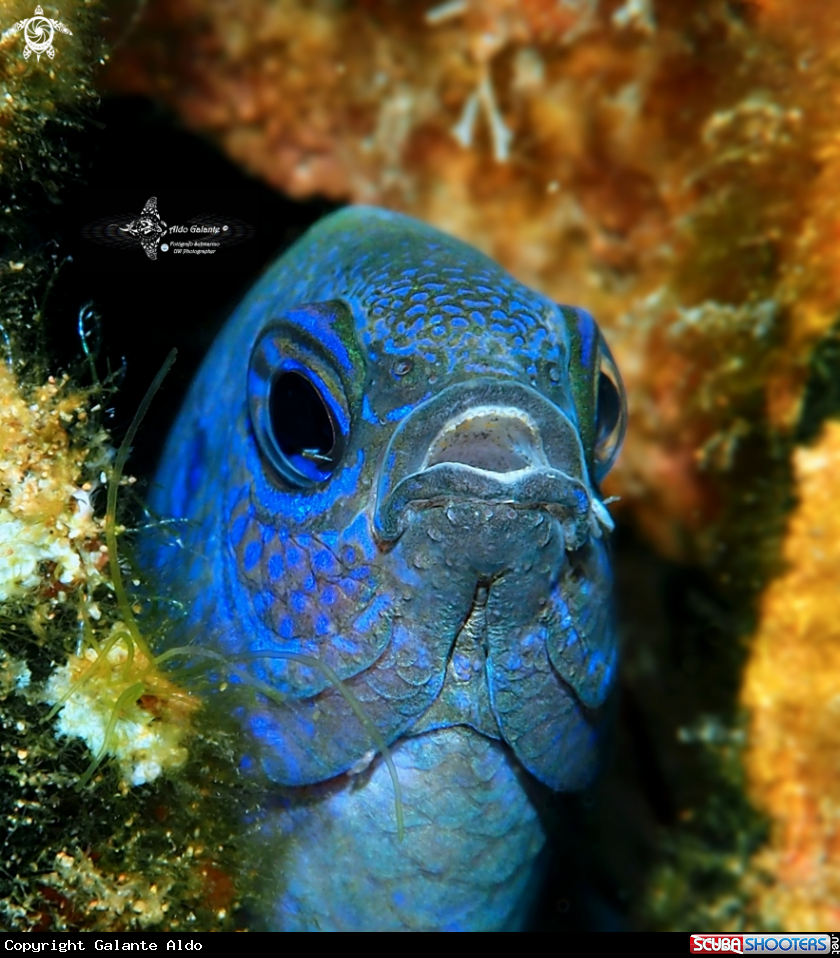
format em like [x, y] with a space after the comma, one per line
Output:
[298, 429]
[610, 413]
[302, 426]
[609, 408]
[298, 412]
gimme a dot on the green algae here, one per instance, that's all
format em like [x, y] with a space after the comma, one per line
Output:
[81, 850]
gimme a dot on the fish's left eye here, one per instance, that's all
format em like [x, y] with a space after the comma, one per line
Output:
[298, 411]
[611, 413]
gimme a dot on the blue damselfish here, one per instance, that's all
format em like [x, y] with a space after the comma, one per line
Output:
[389, 463]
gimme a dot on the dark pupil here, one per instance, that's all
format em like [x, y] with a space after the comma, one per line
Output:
[609, 407]
[299, 417]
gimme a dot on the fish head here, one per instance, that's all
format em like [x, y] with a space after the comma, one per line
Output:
[394, 458]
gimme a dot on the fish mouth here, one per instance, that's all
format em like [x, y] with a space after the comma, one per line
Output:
[489, 439]
[495, 443]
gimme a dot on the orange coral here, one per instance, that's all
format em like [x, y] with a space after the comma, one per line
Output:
[791, 688]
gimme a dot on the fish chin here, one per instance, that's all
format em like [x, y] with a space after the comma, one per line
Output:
[476, 538]
[517, 596]
[343, 867]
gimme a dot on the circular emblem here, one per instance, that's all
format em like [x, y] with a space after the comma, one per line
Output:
[38, 34]
[34, 33]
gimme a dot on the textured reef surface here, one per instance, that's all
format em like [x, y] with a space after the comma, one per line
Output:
[791, 689]
[94, 832]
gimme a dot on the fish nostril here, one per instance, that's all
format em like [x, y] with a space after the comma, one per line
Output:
[489, 438]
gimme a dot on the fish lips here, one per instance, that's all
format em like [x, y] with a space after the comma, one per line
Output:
[494, 442]
[550, 490]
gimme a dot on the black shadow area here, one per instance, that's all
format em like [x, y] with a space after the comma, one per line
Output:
[129, 151]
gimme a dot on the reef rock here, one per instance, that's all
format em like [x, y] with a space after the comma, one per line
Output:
[792, 691]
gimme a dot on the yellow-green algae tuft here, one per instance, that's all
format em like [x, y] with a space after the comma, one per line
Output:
[117, 812]
[90, 844]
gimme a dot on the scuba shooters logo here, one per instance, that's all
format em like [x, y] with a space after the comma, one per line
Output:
[765, 944]
[203, 234]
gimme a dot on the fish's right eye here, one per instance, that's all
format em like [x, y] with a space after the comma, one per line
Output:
[298, 410]
[303, 433]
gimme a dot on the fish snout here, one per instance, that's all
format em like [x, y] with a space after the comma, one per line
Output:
[476, 446]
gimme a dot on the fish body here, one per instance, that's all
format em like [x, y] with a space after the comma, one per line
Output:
[390, 462]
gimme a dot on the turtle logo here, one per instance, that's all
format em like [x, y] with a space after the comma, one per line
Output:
[38, 32]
